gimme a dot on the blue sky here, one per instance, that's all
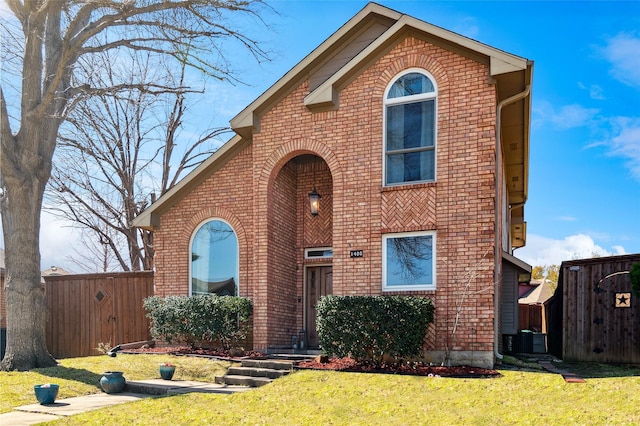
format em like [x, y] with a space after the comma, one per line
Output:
[584, 180]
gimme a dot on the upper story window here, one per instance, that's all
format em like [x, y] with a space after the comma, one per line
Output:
[214, 259]
[410, 129]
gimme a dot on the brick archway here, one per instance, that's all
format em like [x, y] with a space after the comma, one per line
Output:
[283, 225]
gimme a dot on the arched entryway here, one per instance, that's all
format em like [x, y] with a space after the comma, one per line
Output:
[299, 249]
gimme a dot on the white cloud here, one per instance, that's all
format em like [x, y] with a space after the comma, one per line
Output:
[618, 250]
[566, 218]
[541, 251]
[565, 117]
[620, 136]
[622, 52]
[571, 116]
[595, 92]
[626, 143]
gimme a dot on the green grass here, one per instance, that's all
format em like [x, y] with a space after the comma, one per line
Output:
[333, 398]
[81, 376]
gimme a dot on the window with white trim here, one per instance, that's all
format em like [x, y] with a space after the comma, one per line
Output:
[214, 259]
[410, 129]
[409, 261]
[318, 253]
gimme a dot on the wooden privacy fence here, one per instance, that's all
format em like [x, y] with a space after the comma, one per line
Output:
[531, 317]
[86, 310]
[600, 317]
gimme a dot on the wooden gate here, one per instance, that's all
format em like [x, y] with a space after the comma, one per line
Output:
[86, 310]
[601, 316]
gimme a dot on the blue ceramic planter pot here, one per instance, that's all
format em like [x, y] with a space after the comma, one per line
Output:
[46, 394]
[112, 382]
[167, 371]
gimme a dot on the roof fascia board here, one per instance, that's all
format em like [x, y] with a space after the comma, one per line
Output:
[150, 217]
[248, 119]
[527, 128]
[500, 62]
[516, 262]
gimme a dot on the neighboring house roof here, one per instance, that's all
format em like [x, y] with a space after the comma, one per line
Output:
[539, 294]
[53, 271]
[371, 33]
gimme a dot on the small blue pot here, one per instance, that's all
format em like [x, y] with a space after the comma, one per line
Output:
[46, 395]
[167, 371]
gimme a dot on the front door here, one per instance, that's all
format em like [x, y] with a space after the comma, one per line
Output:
[319, 283]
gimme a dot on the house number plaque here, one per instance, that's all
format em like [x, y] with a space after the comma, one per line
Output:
[356, 253]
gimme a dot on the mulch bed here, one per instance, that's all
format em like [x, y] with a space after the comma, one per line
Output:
[405, 368]
[335, 364]
[206, 352]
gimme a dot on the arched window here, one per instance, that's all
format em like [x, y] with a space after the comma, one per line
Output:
[214, 259]
[410, 129]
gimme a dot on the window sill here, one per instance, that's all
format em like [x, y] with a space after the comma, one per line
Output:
[407, 289]
[407, 186]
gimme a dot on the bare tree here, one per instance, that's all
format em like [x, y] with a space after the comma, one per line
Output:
[93, 254]
[111, 148]
[51, 38]
[465, 285]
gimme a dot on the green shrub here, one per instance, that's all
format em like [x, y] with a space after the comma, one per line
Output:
[198, 319]
[634, 276]
[368, 327]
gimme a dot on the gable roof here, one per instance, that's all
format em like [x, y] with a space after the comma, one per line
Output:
[538, 294]
[341, 58]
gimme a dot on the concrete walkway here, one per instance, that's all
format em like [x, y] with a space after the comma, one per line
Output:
[566, 375]
[135, 390]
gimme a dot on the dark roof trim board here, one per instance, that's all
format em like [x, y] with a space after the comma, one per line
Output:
[525, 267]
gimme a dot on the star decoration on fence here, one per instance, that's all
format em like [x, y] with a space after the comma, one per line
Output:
[623, 300]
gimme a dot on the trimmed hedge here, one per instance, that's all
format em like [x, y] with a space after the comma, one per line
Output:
[199, 319]
[368, 327]
[634, 276]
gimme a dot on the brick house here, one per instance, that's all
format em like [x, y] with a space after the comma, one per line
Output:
[416, 140]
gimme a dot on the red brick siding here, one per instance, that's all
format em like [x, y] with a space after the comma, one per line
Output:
[281, 273]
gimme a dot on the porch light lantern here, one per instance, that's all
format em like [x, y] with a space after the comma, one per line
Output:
[314, 202]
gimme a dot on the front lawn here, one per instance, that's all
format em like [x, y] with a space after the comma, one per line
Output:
[81, 376]
[334, 398]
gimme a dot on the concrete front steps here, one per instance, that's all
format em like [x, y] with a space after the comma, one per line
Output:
[255, 373]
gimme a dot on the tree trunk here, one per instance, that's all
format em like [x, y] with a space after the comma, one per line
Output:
[54, 36]
[25, 299]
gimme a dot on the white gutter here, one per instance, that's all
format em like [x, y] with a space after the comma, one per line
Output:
[497, 224]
